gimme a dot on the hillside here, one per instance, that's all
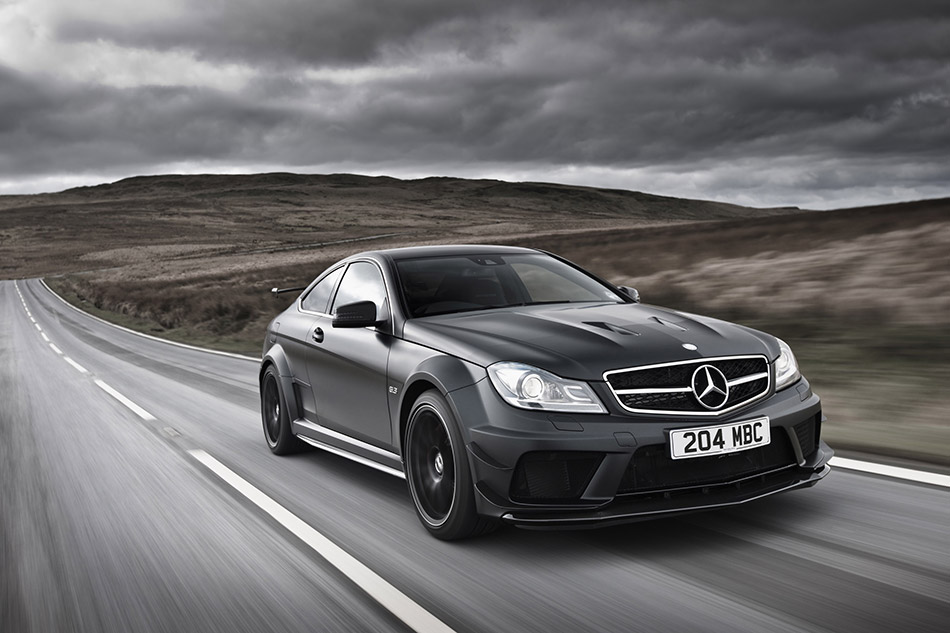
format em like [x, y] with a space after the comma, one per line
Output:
[145, 219]
[862, 295]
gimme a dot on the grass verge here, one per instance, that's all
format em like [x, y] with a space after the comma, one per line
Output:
[241, 343]
[881, 385]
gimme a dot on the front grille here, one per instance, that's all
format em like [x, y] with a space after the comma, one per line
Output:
[652, 468]
[549, 477]
[667, 389]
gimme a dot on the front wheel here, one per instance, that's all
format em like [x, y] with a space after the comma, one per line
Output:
[437, 472]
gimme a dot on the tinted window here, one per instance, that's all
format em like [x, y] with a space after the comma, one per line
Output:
[318, 298]
[362, 282]
[439, 285]
[545, 285]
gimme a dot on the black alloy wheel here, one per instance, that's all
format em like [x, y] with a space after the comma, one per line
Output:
[437, 471]
[275, 417]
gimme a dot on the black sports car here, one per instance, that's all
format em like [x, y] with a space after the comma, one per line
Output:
[509, 384]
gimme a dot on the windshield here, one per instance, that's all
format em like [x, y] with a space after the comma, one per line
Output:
[440, 285]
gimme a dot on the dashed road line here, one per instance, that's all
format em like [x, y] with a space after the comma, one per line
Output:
[838, 462]
[136, 409]
[398, 603]
[896, 472]
[76, 366]
[139, 411]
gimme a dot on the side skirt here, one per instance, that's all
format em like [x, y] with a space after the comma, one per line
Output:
[348, 447]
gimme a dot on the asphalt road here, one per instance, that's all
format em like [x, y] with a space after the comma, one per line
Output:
[108, 522]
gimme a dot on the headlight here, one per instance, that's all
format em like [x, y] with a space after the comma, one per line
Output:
[786, 367]
[528, 387]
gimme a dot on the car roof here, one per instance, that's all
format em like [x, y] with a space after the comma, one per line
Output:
[411, 252]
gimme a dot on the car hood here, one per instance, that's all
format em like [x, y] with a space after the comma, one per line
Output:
[584, 341]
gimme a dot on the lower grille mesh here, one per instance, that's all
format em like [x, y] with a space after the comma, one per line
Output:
[652, 468]
[553, 476]
[807, 437]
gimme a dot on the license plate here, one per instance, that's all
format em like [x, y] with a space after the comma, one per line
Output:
[718, 440]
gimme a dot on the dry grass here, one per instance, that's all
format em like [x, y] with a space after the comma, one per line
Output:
[900, 276]
[239, 222]
[863, 295]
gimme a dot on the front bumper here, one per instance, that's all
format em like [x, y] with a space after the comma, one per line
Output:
[630, 476]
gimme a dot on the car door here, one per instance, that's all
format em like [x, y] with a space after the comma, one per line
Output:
[347, 366]
[295, 331]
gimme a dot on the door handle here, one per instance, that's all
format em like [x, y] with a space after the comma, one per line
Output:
[318, 335]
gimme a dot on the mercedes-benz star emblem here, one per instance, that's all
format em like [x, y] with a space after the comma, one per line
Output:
[710, 387]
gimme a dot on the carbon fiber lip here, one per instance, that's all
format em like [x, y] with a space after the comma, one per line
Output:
[621, 512]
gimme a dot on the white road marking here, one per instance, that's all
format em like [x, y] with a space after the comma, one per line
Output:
[838, 462]
[136, 409]
[919, 476]
[82, 370]
[398, 603]
[76, 366]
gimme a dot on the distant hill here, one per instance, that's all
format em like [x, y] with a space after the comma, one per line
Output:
[862, 294]
[170, 217]
[350, 190]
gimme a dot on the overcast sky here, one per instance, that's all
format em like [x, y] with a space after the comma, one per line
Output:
[817, 104]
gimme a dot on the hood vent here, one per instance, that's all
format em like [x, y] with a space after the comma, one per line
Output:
[610, 327]
[669, 324]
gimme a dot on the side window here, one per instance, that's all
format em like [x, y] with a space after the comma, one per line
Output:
[318, 298]
[362, 282]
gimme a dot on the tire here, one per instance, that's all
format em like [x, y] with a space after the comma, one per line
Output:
[276, 421]
[437, 472]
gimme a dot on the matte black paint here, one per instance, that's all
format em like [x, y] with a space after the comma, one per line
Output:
[360, 383]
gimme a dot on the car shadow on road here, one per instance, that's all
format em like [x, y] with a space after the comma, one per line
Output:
[679, 535]
[682, 535]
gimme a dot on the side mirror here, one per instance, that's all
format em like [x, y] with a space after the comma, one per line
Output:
[359, 314]
[630, 292]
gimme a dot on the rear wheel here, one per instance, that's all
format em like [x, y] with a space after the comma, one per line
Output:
[437, 472]
[275, 417]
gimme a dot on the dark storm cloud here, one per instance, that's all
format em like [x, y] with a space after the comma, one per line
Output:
[336, 32]
[76, 128]
[815, 94]
[357, 31]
